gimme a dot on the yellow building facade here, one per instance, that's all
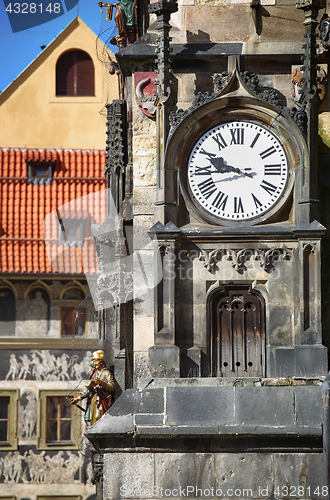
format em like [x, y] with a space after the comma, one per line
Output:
[33, 116]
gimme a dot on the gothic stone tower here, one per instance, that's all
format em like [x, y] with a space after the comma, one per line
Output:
[227, 345]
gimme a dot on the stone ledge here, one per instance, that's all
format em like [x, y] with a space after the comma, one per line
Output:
[228, 412]
[227, 431]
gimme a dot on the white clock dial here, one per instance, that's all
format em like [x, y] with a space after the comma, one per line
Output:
[237, 170]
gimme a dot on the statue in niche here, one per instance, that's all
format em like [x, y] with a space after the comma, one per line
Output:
[99, 390]
[36, 314]
[125, 19]
[28, 416]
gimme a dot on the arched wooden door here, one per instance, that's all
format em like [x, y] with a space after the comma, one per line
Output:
[238, 333]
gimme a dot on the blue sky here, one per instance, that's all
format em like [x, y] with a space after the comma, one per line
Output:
[17, 50]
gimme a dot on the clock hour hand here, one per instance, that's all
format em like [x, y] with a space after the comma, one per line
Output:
[223, 168]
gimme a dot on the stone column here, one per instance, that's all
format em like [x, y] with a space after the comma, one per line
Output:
[164, 356]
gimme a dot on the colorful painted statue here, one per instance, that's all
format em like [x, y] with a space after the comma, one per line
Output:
[99, 390]
[125, 18]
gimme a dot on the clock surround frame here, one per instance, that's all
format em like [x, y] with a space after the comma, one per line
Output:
[241, 108]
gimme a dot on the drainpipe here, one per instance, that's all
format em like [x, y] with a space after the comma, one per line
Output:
[325, 394]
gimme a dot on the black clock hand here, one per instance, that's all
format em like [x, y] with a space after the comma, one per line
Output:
[223, 168]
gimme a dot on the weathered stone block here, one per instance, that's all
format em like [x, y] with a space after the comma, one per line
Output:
[141, 238]
[308, 405]
[134, 401]
[141, 363]
[311, 360]
[285, 362]
[147, 419]
[214, 23]
[296, 469]
[244, 471]
[264, 405]
[128, 475]
[143, 200]
[199, 405]
[164, 361]
[280, 324]
[192, 362]
[185, 469]
[143, 333]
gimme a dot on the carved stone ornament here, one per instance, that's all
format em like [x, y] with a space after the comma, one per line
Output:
[40, 468]
[251, 81]
[324, 28]
[238, 258]
[146, 92]
[115, 287]
[220, 82]
[97, 464]
[308, 4]
[271, 96]
[116, 144]
[43, 365]
[310, 247]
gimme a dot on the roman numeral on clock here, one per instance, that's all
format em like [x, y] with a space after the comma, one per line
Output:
[220, 201]
[219, 140]
[237, 136]
[272, 169]
[254, 140]
[238, 205]
[207, 188]
[203, 170]
[256, 201]
[267, 186]
[267, 152]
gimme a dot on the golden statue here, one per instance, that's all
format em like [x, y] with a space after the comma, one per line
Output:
[99, 390]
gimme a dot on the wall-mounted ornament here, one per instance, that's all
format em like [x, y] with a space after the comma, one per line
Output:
[298, 82]
[324, 28]
[145, 92]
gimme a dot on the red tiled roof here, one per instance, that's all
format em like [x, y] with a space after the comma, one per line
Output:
[33, 213]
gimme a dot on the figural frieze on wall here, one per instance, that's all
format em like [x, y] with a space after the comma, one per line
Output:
[267, 258]
[42, 468]
[42, 365]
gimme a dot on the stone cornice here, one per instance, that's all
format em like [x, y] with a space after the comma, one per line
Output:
[47, 343]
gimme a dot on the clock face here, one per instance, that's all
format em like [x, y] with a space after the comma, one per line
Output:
[237, 170]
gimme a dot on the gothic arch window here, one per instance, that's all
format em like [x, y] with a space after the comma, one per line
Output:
[37, 312]
[75, 74]
[237, 347]
[7, 312]
[72, 313]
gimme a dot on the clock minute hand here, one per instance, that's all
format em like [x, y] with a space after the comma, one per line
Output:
[242, 172]
[221, 167]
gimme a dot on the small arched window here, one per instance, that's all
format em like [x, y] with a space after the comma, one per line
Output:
[7, 312]
[75, 74]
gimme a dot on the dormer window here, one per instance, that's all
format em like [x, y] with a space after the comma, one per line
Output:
[40, 171]
[71, 232]
[75, 74]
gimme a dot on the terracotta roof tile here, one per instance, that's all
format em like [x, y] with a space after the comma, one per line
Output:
[29, 223]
